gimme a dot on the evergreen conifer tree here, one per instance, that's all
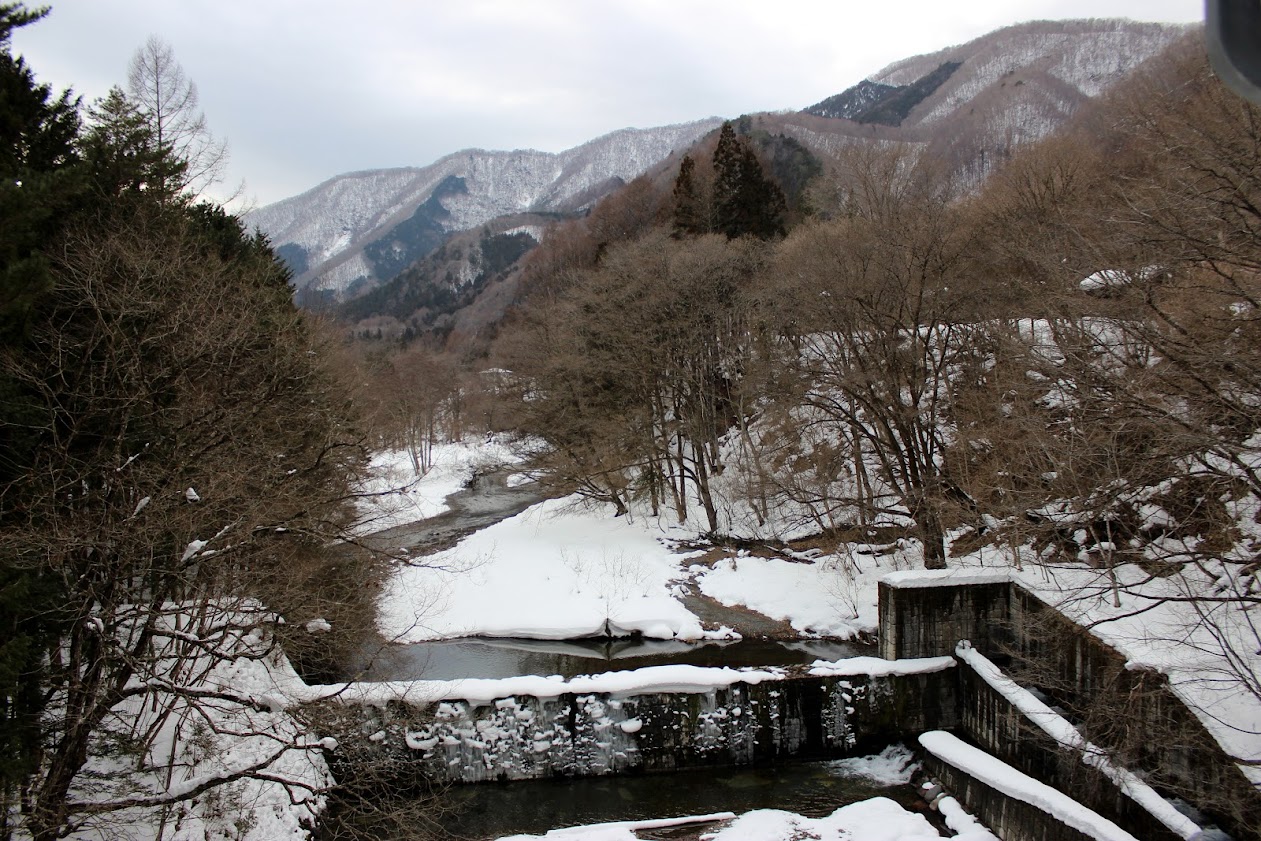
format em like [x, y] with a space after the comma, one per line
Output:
[38, 186]
[688, 218]
[37, 135]
[120, 152]
[746, 202]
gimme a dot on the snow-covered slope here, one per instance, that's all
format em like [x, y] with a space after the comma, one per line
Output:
[324, 232]
[1081, 58]
[972, 103]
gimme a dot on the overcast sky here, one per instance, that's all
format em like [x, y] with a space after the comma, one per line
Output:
[303, 90]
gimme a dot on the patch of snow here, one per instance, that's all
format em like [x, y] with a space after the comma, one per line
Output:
[318, 625]
[1002, 777]
[1059, 729]
[879, 667]
[652, 680]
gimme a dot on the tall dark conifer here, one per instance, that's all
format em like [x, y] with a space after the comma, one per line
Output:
[688, 217]
[37, 134]
[746, 202]
[38, 188]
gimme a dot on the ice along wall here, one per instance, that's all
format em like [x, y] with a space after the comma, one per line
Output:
[544, 734]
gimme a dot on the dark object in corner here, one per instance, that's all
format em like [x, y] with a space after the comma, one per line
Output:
[1233, 32]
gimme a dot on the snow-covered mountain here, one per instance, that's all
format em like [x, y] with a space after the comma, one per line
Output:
[972, 103]
[358, 229]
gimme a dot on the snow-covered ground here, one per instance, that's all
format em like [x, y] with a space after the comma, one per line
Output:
[395, 493]
[560, 570]
[567, 568]
[223, 757]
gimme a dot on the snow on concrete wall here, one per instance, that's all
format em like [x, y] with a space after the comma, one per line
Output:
[594, 734]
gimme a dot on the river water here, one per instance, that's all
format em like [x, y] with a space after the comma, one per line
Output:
[813, 789]
[496, 658]
[485, 811]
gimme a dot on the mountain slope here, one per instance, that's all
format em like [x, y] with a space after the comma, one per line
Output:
[357, 230]
[972, 104]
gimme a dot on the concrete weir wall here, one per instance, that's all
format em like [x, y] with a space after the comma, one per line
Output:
[1132, 714]
[590, 728]
[1010, 818]
[590, 734]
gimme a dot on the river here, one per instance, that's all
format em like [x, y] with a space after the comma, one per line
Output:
[492, 810]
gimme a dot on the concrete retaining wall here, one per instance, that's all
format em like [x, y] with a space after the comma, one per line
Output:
[919, 619]
[1008, 818]
[994, 724]
[1131, 713]
[800, 717]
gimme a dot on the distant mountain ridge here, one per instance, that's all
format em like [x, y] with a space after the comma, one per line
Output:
[359, 229]
[969, 104]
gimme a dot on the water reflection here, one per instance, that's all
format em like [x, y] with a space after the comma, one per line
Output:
[494, 658]
[813, 789]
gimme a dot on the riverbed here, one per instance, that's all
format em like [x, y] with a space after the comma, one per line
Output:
[492, 810]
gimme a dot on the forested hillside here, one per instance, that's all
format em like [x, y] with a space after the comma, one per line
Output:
[1061, 366]
[974, 104]
[175, 447]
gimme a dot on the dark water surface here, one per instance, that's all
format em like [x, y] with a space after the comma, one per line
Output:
[813, 789]
[495, 658]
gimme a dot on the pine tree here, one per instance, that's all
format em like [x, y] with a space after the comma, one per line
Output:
[37, 154]
[746, 202]
[120, 150]
[688, 217]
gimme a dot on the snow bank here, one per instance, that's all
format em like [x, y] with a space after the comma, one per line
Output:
[1002, 777]
[560, 570]
[481, 691]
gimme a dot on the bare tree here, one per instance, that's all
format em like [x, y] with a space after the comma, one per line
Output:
[1125, 434]
[169, 100]
[188, 453]
[878, 316]
[632, 371]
